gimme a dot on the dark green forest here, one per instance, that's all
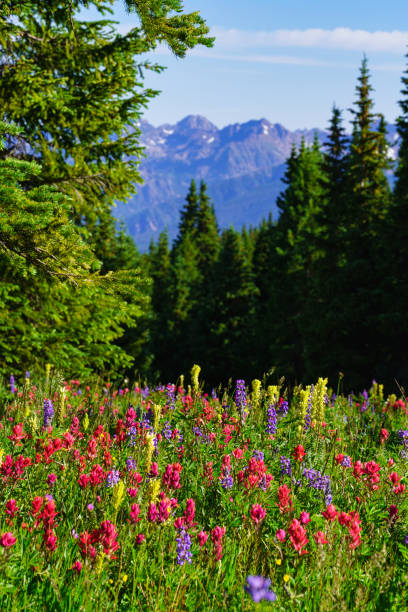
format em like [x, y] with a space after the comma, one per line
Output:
[322, 290]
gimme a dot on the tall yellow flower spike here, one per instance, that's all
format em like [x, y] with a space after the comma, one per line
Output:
[149, 450]
[61, 404]
[118, 494]
[273, 393]
[154, 490]
[195, 371]
[256, 392]
[157, 414]
[318, 400]
[303, 402]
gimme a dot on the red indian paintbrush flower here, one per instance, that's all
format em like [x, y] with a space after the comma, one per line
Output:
[7, 540]
[257, 513]
[299, 452]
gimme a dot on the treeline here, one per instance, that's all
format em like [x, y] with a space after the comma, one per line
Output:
[322, 290]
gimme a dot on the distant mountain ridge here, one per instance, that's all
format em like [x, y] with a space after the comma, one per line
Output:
[242, 165]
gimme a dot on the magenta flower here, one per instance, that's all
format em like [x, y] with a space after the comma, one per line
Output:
[7, 540]
[304, 518]
[281, 535]
[51, 479]
[257, 513]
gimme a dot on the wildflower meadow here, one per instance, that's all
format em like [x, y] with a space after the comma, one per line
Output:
[168, 498]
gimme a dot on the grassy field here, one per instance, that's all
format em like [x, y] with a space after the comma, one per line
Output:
[171, 499]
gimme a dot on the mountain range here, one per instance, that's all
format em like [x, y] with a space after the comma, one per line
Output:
[242, 165]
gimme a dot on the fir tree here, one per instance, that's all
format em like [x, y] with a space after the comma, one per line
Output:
[395, 281]
[297, 243]
[76, 88]
[207, 234]
[188, 217]
[232, 296]
[365, 209]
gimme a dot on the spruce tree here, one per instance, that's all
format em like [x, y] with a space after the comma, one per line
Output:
[188, 217]
[76, 88]
[396, 288]
[232, 297]
[207, 234]
[325, 300]
[297, 244]
[365, 210]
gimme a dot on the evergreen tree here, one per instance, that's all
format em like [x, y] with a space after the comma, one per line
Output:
[161, 325]
[188, 217]
[54, 306]
[369, 192]
[76, 88]
[324, 299]
[396, 287]
[207, 234]
[297, 243]
[232, 296]
[365, 209]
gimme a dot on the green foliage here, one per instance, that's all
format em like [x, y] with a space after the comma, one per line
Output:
[36, 234]
[73, 291]
[361, 566]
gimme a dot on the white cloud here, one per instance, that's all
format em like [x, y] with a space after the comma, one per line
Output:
[339, 38]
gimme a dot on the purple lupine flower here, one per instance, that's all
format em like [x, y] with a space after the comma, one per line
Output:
[319, 482]
[406, 539]
[308, 417]
[227, 482]
[283, 408]
[272, 421]
[214, 394]
[132, 433]
[197, 432]
[145, 391]
[183, 547]
[130, 464]
[258, 455]
[262, 484]
[166, 431]
[27, 374]
[258, 588]
[12, 384]
[171, 398]
[286, 467]
[364, 406]
[346, 462]
[240, 399]
[112, 478]
[48, 412]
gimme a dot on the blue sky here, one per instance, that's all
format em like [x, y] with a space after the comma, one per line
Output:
[287, 61]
